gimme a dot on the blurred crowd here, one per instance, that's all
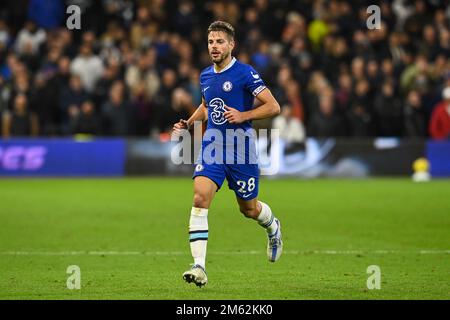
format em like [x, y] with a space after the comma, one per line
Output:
[133, 68]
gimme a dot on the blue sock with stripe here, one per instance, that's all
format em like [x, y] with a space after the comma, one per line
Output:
[198, 234]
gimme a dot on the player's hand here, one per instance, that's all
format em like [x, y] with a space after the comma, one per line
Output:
[180, 125]
[233, 116]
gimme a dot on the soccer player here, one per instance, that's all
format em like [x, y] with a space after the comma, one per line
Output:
[229, 88]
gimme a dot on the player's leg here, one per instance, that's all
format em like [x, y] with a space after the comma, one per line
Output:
[259, 211]
[262, 213]
[207, 180]
[244, 181]
[204, 191]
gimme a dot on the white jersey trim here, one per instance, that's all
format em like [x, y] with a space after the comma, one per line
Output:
[227, 67]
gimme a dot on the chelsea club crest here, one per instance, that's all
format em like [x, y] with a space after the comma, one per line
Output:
[227, 86]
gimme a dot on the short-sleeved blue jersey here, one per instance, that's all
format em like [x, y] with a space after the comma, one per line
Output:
[235, 86]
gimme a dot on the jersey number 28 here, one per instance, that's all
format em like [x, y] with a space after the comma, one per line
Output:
[250, 184]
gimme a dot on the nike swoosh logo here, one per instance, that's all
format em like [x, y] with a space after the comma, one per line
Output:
[256, 76]
[248, 195]
[205, 89]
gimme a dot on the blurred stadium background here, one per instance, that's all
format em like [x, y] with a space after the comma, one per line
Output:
[132, 70]
[100, 102]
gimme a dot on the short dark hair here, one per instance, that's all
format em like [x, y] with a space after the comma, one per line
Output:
[221, 26]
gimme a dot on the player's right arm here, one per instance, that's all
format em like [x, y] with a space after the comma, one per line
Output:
[201, 114]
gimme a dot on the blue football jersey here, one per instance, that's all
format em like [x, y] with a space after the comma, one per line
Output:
[235, 86]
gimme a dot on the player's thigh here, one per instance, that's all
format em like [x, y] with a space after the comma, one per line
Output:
[204, 191]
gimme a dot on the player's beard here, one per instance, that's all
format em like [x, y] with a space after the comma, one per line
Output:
[220, 59]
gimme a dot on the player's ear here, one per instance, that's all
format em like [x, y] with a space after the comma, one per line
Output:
[232, 44]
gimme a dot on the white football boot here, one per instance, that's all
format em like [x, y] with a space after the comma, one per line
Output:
[275, 244]
[197, 275]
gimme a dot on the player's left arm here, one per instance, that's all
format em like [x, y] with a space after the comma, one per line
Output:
[267, 107]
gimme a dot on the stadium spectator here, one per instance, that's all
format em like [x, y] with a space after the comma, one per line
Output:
[163, 100]
[110, 74]
[316, 86]
[109, 10]
[29, 39]
[182, 105]
[444, 42]
[417, 19]
[299, 56]
[374, 76]
[396, 48]
[417, 75]
[144, 30]
[388, 108]
[144, 73]
[142, 79]
[5, 36]
[319, 27]
[440, 118]
[185, 18]
[44, 104]
[303, 50]
[293, 98]
[70, 100]
[359, 121]
[429, 46]
[290, 127]
[344, 92]
[117, 112]
[415, 120]
[20, 85]
[20, 122]
[193, 86]
[88, 67]
[360, 114]
[84, 120]
[325, 122]
[62, 75]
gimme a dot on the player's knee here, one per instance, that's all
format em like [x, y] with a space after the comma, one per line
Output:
[201, 201]
[249, 212]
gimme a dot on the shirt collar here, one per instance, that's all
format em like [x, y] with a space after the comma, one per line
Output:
[233, 60]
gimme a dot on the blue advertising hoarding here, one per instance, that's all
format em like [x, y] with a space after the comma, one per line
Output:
[438, 154]
[119, 157]
[62, 157]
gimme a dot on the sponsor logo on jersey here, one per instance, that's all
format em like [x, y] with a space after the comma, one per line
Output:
[218, 108]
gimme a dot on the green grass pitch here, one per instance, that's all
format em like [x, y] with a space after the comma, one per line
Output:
[129, 237]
